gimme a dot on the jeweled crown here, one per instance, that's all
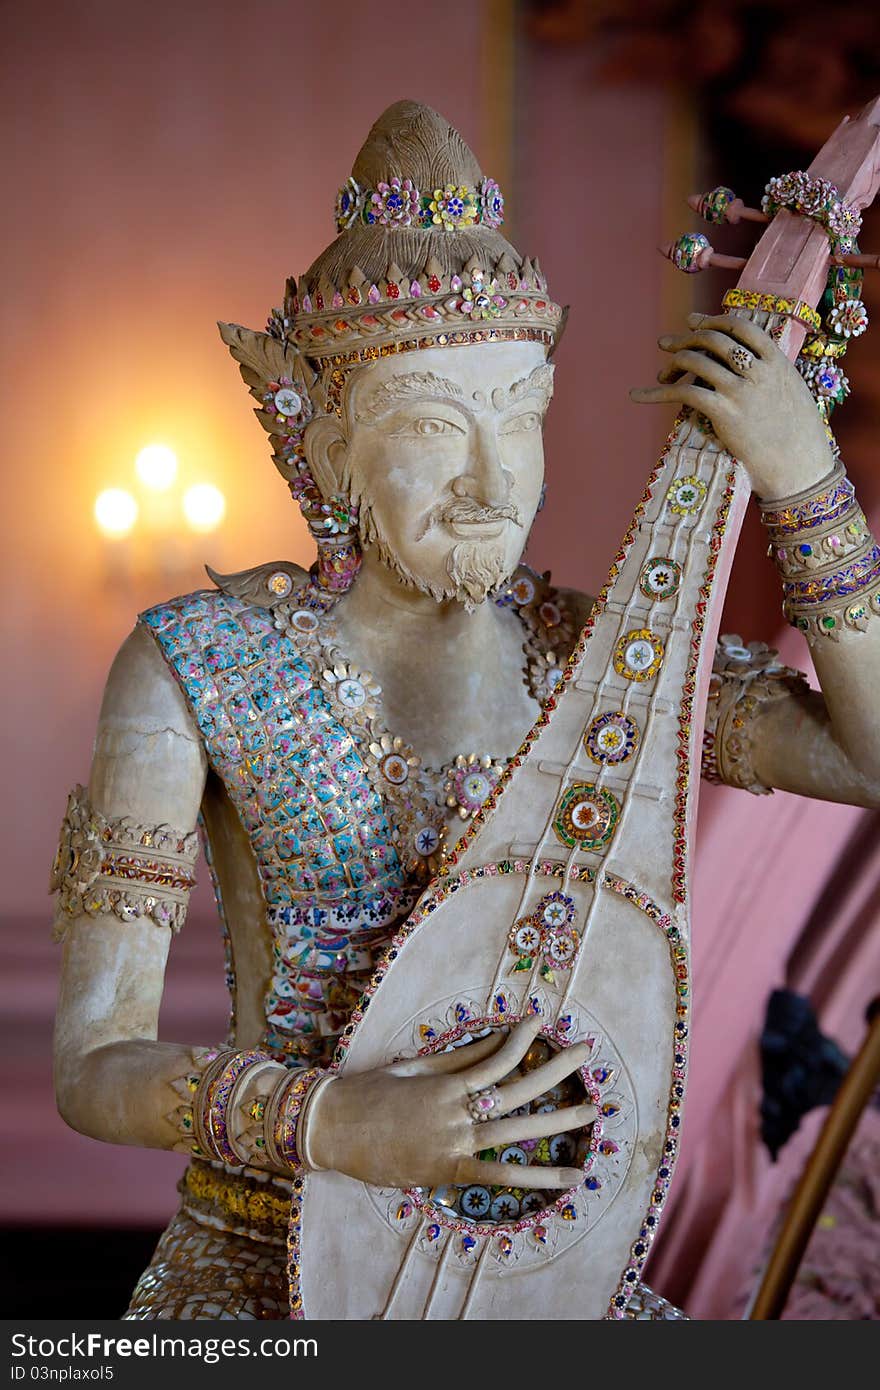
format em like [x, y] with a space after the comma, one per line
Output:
[419, 262]
[418, 255]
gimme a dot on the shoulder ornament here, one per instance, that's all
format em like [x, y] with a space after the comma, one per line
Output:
[265, 586]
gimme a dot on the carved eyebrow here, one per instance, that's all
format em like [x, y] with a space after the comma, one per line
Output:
[400, 389]
[539, 382]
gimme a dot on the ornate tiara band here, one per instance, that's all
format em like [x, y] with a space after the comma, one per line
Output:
[326, 320]
[398, 203]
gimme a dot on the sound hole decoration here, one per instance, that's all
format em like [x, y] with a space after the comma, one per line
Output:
[492, 1205]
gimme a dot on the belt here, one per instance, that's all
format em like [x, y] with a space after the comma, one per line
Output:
[244, 1201]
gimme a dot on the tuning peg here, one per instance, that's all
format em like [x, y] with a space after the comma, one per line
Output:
[722, 205]
[858, 261]
[692, 253]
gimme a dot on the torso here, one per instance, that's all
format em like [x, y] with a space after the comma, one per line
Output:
[323, 820]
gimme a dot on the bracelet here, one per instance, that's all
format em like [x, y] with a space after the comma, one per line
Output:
[211, 1103]
[828, 559]
[826, 501]
[281, 1118]
[246, 1138]
[302, 1124]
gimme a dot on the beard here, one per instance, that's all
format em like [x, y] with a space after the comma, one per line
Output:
[474, 568]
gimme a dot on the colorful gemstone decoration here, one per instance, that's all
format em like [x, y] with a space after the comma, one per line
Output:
[612, 738]
[688, 250]
[394, 204]
[491, 203]
[523, 590]
[476, 1201]
[451, 207]
[288, 402]
[555, 911]
[638, 655]
[349, 202]
[686, 496]
[714, 205]
[469, 781]
[394, 769]
[848, 319]
[586, 817]
[526, 936]
[660, 578]
[280, 584]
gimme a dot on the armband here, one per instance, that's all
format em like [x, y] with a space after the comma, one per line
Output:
[116, 866]
[744, 678]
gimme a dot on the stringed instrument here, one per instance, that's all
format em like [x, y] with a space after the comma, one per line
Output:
[568, 895]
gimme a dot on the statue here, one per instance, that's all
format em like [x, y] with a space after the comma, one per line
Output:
[333, 732]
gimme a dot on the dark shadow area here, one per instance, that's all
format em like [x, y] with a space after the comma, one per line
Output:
[71, 1272]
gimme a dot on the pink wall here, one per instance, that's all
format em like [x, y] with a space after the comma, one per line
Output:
[172, 166]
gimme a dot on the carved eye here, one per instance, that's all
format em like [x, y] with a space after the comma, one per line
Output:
[426, 425]
[529, 420]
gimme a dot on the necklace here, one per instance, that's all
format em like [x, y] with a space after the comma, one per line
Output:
[422, 800]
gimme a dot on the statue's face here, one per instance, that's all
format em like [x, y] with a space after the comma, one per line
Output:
[443, 450]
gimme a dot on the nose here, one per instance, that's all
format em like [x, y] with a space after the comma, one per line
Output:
[486, 480]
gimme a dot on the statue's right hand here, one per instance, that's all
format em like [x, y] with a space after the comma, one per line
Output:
[415, 1123]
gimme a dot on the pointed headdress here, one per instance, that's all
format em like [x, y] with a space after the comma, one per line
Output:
[418, 262]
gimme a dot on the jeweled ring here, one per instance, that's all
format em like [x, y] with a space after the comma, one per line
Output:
[740, 358]
[482, 1103]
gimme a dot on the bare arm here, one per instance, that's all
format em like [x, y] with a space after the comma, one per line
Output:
[801, 743]
[112, 1078]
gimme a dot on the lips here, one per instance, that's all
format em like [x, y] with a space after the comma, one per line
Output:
[467, 529]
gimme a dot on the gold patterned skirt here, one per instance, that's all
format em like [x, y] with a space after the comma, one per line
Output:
[224, 1254]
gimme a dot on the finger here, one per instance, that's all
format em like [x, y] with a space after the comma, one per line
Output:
[469, 1170]
[680, 392]
[444, 1063]
[521, 1037]
[499, 1132]
[743, 330]
[536, 1082]
[706, 368]
[718, 344]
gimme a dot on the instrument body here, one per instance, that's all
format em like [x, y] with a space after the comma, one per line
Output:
[599, 807]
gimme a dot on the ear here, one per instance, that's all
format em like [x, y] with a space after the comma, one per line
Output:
[325, 449]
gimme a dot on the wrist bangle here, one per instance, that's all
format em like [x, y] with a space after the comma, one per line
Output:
[825, 501]
[302, 1124]
[828, 559]
[281, 1117]
[211, 1105]
[245, 1137]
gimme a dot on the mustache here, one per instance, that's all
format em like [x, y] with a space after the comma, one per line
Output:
[466, 509]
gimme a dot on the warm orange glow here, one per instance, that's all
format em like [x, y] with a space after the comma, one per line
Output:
[204, 506]
[115, 511]
[156, 466]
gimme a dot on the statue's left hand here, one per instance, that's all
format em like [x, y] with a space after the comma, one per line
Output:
[760, 407]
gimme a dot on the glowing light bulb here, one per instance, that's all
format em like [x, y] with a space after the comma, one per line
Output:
[156, 466]
[115, 511]
[204, 506]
